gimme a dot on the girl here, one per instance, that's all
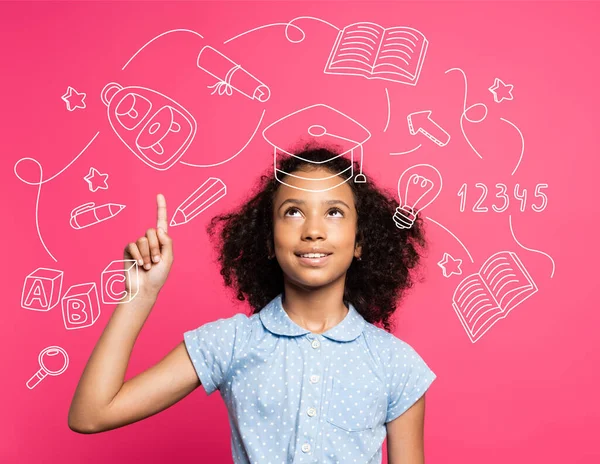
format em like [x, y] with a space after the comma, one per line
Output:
[308, 377]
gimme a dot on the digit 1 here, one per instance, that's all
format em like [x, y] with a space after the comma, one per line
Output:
[462, 193]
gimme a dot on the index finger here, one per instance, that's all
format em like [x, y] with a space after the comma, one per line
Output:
[161, 212]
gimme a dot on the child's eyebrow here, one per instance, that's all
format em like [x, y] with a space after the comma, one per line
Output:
[302, 202]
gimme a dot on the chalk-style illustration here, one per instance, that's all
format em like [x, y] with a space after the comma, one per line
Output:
[325, 124]
[420, 122]
[211, 191]
[522, 144]
[231, 76]
[158, 37]
[88, 214]
[80, 306]
[287, 25]
[48, 366]
[73, 99]
[466, 109]
[389, 110]
[538, 193]
[96, 180]
[42, 289]
[155, 128]
[369, 50]
[501, 91]
[512, 232]
[39, 185]
[450, 266]
[464, 116]
[418, 187]
[113, 278]
[405, 152]
[453, 236]
[196, 165]
[482, 299]
[518, 194]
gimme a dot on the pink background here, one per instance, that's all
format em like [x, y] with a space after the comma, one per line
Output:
[522, 393]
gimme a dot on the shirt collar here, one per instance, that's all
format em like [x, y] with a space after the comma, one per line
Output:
[276, 320]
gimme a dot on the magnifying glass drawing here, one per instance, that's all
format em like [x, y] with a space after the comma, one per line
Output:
[47, 359]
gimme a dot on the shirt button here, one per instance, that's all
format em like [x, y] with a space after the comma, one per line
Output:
[311, 412]
[314, 378]
[316, 344]
[306, 447]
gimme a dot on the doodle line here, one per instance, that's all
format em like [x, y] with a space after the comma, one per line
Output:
[230, 158]
[530, 249]
[522, 145]
[405, 152]
[465, 109]
[456, 238]
[387, 96]
[39, 184]
[157, 37]
[287, 25]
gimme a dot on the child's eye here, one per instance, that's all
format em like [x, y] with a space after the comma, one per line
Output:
[291, 209]
[336, 210]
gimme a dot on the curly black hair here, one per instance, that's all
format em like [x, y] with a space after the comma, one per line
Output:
[374, 284]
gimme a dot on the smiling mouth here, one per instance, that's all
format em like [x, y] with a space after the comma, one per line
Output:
[314, 259]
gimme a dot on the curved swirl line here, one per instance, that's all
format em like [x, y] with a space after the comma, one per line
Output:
[387, 123]
[231, 157]
[157, 37]
[405, 152]
[39, 190]
[261, 27]
[287, 26]
[530, 249]
[455, 237]
[522, 145]
[466, 109]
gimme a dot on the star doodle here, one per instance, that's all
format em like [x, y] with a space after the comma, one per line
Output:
[501, 91]
[73, 99]
[96, 180]
[450, 265]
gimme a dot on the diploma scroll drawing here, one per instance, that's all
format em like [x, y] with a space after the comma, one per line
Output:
[227, 71]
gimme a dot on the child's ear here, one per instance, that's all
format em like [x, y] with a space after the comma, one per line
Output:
[358, 244]
[357, 251]
[270, 251]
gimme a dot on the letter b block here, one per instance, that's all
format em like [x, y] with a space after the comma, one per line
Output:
[80, 306]
[113, 281]
[41, 290]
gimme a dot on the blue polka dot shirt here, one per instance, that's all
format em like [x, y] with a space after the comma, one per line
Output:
[296, 396]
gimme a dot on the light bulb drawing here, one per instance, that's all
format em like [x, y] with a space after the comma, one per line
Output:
[418, 187]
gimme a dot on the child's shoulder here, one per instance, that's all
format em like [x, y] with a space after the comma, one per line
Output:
[385, 341]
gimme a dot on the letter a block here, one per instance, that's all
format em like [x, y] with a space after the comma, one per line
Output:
[113, 281]
[41, 290]
[80, 306]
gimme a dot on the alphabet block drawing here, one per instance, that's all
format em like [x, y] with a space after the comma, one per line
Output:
[80, 306]
[41, 289]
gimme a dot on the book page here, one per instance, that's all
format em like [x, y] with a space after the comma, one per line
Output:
[472, 297]
[357, 46]
[402, 51]
[507, 279]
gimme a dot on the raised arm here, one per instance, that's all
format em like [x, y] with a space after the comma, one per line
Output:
[102, 400]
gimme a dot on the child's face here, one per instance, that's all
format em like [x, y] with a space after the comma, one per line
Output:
[324, 222]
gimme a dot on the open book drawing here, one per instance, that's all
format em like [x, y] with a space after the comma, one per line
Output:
[481, 299]
[372, 51]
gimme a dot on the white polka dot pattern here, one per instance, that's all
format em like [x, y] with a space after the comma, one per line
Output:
[296, 396]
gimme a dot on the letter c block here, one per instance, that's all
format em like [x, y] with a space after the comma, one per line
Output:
[113, 281]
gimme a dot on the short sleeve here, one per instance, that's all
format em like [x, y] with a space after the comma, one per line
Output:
[409, 378]
[211, 348]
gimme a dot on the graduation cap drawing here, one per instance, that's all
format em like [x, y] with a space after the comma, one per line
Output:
[322, 125]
